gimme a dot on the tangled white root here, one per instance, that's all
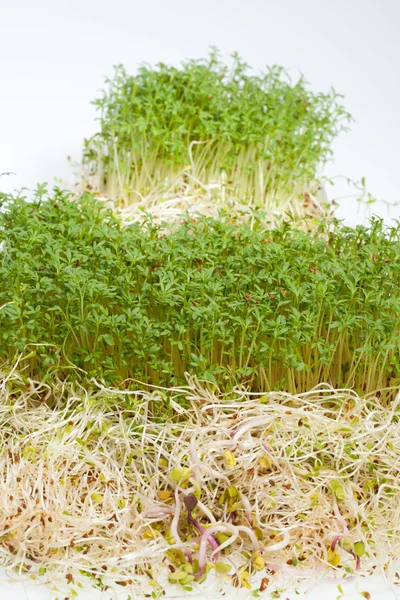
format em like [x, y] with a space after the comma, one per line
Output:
[92, 486]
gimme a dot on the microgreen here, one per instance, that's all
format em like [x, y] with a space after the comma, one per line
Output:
[263, 135]
[81, 295]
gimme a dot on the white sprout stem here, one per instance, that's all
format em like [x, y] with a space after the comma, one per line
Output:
[202, 467]
[279, 545]
[175, 520]
[158, 512]
[339, 517]
[206, 511]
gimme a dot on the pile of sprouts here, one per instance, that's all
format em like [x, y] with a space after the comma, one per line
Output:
[263, 138]
[199, 365]
[97, 487]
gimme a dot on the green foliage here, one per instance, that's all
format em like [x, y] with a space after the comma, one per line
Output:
[267, 134]
[278, 308]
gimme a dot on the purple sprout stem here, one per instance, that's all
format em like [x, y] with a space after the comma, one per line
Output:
[358, 560]
[335, 540]
[212, 540]
[188, 555]
[195, 523]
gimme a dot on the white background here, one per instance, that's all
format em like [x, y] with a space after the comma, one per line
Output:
[55, 54]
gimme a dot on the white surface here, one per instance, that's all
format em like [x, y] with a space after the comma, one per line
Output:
[54, 57]
[376, 585]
